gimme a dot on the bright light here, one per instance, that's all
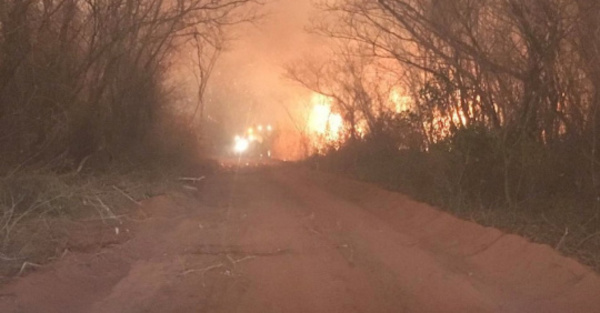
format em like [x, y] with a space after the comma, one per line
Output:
[319, 118]
[400, 101]
[250, 130]
[325, 126]
[241, 145]
[260, 128]
[269, 127]
[324, 122]
[336, 122]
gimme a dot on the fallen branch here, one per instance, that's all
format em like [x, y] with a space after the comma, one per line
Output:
[111, 215]
[126, 195]
[192, 179]
[26, 264]
[82, 163]
[240, 260]
[203, 270]
[562, 239]
[188, 187]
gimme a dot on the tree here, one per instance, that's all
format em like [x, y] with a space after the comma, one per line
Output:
[79, 76]
[514, 71]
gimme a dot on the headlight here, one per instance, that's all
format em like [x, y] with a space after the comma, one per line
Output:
[241, 145]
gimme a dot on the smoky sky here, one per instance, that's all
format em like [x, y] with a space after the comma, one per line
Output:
[248, 86]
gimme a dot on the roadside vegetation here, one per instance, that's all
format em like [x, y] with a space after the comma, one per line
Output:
[488, 109]
[88, 121]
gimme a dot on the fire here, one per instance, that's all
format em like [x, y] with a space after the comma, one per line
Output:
[400, 101]
[325, 127]
[320, 113]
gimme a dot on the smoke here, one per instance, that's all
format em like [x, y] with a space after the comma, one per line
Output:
[247, 86]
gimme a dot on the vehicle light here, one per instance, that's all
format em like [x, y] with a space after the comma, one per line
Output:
[241, 145]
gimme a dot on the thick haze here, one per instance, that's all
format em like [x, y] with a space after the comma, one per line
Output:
[247, 86]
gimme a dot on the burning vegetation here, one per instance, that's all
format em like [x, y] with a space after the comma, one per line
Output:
[486, 107]
[466, 104]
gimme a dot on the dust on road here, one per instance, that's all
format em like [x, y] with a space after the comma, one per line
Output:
[291, 240]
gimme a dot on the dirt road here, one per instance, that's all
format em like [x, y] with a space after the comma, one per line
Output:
[290, 240]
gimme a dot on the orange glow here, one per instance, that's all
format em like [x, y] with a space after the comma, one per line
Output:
[336, 123]
[325, 128]
[400, 101]
[319, 115]
[319, 119]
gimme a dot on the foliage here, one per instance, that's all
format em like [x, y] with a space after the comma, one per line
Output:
[87, 124]
[505, 98]
[84, 77]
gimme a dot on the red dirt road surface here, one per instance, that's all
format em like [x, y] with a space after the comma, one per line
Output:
[290, 240]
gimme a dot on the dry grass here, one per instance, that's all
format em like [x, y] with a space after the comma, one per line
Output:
[42, 213]
[568, 223]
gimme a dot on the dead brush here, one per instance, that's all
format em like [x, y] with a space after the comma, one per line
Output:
[43, 214]
[35, 206]
[27, 196]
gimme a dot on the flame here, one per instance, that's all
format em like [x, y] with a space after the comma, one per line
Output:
[325, 127]
[400, 101]
[319, 118]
